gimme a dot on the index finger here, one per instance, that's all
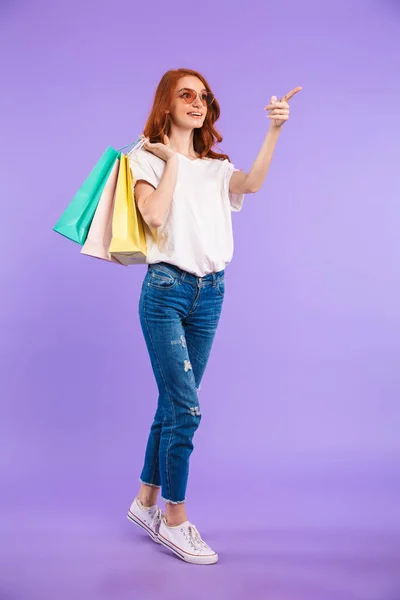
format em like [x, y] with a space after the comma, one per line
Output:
[290, 94]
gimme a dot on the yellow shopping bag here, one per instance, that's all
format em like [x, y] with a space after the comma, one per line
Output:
[128, 241]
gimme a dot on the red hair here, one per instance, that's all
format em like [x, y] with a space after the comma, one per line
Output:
[158, 123]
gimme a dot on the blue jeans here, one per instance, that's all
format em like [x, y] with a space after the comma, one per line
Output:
[179, 314]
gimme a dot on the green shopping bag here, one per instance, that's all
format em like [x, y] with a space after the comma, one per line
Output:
[75, 221]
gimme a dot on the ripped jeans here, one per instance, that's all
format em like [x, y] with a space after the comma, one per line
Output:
[179, 314]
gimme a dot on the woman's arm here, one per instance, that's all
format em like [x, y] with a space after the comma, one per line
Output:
[154, 204]
[249, 183]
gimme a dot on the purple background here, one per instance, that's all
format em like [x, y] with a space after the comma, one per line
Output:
[294, 478]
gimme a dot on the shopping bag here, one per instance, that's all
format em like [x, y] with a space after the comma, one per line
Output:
[74, 223]
[128, 241]
[99, 236]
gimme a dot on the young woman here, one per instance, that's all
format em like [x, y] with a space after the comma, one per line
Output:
[185, 192]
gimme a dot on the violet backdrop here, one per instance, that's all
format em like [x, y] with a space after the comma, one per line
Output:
[296, 461]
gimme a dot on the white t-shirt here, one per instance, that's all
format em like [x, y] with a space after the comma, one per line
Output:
[197, 235]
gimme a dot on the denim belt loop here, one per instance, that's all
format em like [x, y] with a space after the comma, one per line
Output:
[214, 279]
[181, 277]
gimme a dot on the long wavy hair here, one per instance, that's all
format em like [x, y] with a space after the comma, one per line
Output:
[158, 123]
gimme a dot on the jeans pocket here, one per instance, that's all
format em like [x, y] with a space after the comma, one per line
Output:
[161, 279]
[221, 287]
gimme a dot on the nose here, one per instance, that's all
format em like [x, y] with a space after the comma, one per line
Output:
[197, 103]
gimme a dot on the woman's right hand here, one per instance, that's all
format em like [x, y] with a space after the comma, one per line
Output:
[163, 151]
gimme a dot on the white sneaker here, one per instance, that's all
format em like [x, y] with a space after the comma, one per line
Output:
[186, 542]
[147, 518]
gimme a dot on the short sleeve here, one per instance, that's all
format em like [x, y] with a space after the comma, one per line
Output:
[236, 200]
[142, 169]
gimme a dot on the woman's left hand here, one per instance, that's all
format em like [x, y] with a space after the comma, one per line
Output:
[279, 111]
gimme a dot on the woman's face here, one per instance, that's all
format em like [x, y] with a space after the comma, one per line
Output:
[185, 103]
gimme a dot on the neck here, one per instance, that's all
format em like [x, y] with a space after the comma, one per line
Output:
[182, 141]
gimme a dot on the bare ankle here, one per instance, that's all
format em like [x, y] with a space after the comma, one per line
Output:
[175, 522]
[148, 495]
[145, 503]
[175, 514]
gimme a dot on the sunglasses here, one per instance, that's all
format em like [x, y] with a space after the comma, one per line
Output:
[189, 96]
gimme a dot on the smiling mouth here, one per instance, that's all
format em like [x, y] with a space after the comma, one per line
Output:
[195, 115]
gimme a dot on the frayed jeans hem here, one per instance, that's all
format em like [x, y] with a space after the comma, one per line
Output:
[172, 502]
[150, 484]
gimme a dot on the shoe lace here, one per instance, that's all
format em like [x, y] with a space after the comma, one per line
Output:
[157, 516]
[195, 536]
